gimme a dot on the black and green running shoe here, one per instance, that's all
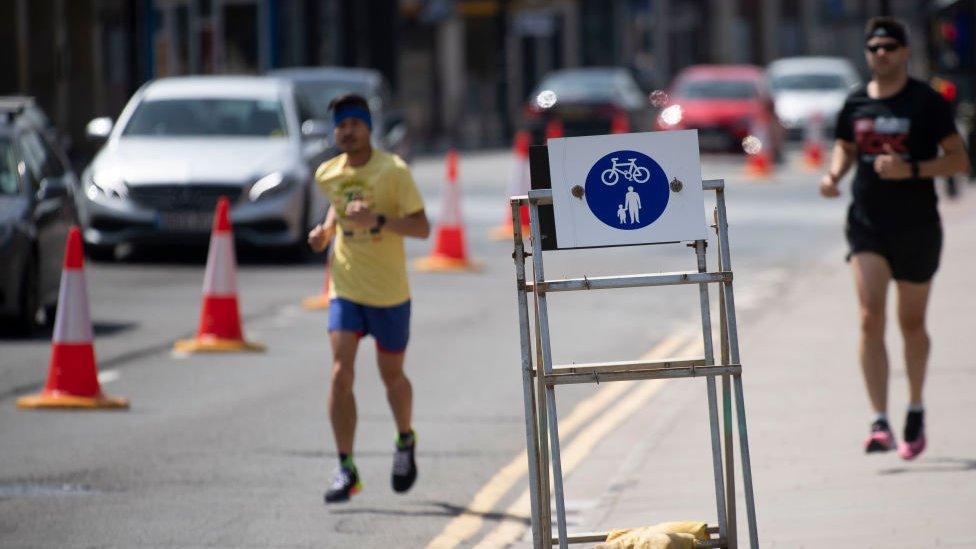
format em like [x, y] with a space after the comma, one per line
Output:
[345, 483]
[404, 464]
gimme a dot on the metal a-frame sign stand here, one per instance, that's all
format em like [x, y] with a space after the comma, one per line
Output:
[540, 377]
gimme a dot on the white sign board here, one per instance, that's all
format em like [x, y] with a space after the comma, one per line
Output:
[638, 188]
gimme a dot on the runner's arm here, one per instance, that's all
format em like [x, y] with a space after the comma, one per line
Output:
[841, 160]
[320, 236]
[415, 225]
[953, 160]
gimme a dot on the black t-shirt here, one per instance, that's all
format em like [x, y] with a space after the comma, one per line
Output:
[912, 122]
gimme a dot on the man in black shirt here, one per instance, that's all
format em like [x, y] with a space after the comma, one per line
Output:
[893, 128]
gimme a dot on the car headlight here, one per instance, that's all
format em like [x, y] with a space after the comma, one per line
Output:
[113, 187]
[270, 185]
[671, 115]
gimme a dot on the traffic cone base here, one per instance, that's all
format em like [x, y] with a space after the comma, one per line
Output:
[216, 345]
[437, 263]
[316, 302]
[56, 400]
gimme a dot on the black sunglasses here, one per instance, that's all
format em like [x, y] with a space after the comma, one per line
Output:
[888, 47]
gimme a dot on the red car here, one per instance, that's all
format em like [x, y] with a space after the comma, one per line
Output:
[725, 103]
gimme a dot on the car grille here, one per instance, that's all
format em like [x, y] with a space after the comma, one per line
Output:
[183, 197]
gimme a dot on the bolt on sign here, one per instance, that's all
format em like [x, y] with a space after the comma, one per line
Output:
[627, 189]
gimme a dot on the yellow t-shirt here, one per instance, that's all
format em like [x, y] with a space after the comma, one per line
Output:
[369, 267]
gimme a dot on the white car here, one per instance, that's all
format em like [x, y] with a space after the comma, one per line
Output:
[182, 143]
[808, 86]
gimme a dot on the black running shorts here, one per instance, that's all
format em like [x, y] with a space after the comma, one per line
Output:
[912, 253]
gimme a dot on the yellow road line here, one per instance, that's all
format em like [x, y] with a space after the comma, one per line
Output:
[512, 526]
[467, 524]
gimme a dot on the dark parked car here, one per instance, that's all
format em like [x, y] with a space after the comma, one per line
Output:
[30, 112]
[316, 87]
[588, 101]
[36, 210]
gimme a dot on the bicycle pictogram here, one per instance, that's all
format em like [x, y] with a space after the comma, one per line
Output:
[629, 169]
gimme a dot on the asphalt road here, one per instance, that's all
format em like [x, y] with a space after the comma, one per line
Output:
[235, 450]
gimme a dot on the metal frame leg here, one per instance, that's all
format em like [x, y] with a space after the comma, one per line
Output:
[528, 394]
[729, 437]
[733, 336]
[542, 423]
[550, 395]
[706, 319]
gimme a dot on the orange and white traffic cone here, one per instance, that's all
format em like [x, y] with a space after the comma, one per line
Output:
[220, 320]
[72, 379]
[450, 252]
[518, 184]
[321, 301]
[555, 129]
[813, 146]
[757, 148]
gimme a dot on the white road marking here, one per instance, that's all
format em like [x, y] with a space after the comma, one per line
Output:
[108, 376]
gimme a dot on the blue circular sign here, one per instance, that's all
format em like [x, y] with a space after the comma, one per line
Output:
[627, 190]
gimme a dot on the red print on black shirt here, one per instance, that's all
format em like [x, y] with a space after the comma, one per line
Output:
[872, 134]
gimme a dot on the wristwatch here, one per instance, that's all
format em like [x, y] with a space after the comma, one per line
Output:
[380, 221]
[915, 174]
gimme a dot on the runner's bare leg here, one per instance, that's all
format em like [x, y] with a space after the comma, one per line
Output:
[399, 392]
[342, 401]
[871, 276]
[912, 301]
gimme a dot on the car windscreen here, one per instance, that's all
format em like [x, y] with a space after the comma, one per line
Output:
[807, 82]
[316, 96]
[582, 86]
[208, 118]
[9, 180]
[717, 89]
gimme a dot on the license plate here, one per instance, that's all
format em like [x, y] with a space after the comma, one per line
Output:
[187, 221]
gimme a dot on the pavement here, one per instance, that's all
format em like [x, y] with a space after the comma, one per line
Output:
[808, 415]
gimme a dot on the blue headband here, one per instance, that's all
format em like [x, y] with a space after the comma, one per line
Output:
[353, 111]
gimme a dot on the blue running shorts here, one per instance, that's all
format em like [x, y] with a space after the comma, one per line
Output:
[390, 326]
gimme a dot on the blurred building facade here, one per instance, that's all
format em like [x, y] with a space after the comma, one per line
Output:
[460, 69]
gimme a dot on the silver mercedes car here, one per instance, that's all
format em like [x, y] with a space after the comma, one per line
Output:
[182, 143]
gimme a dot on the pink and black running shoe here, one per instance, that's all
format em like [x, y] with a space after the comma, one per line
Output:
[881, 439]
[910, 450]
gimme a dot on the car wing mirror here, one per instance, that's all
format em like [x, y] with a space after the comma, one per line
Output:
[99, 128]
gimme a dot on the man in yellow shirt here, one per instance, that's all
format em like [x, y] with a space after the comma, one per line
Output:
[374, 204]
